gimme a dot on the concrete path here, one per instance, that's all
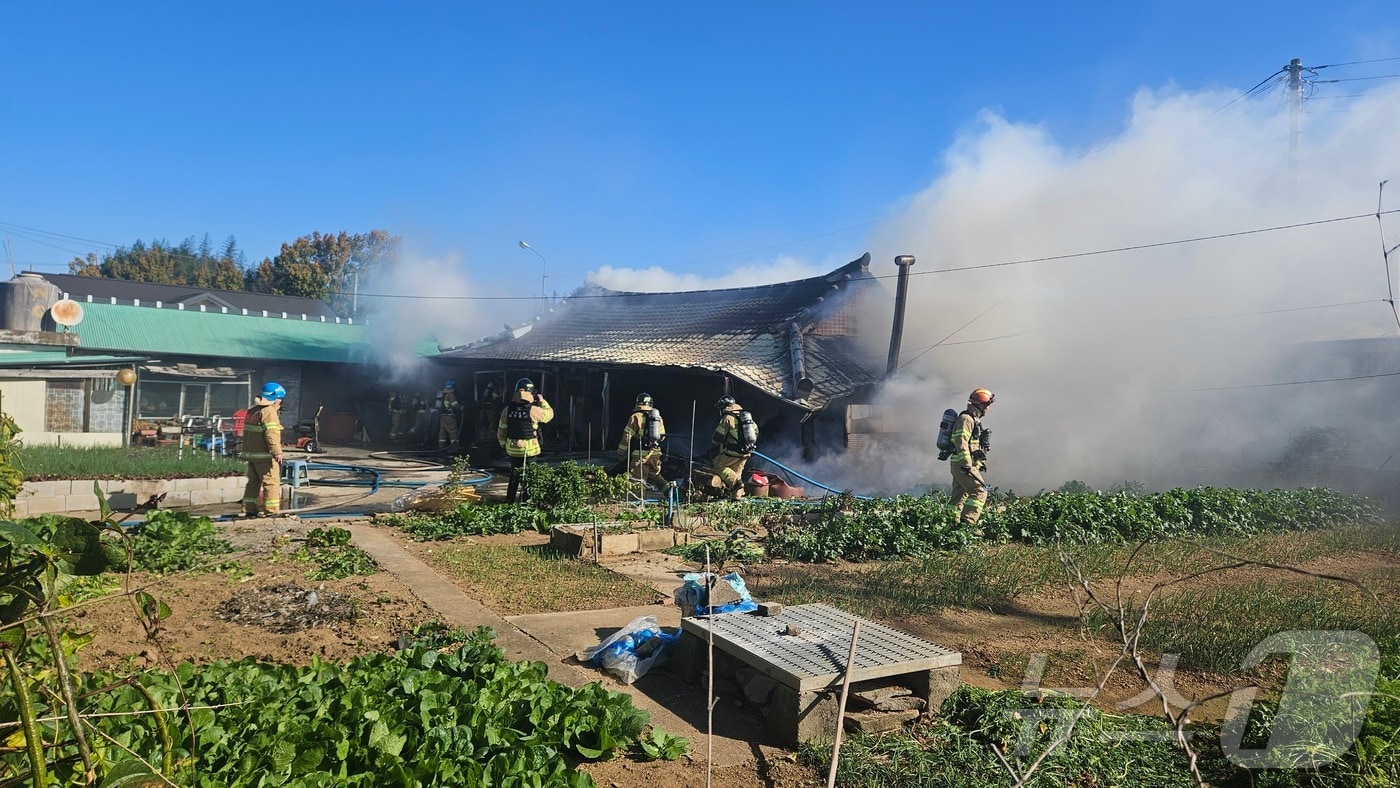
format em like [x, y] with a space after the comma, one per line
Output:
[553, 638]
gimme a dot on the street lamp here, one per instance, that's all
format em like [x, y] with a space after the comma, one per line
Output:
[524, 245]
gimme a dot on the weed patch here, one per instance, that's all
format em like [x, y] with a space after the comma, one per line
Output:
[518, 580]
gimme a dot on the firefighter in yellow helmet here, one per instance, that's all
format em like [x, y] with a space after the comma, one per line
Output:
[518, 432]
[640, 446]
[734, 439]
[969, 458]
[262, 448]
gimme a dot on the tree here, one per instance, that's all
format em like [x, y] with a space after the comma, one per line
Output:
[327, 267]
[161, 263]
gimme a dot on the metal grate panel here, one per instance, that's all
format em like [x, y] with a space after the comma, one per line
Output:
[816, 657]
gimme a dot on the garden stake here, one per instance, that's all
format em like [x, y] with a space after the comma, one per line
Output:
[841, 707]
[710, 662]
[690, 459]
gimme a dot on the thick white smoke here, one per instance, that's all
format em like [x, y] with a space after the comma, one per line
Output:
[1096, 360]
[429, 300]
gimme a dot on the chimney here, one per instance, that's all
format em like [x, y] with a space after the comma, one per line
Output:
[901, 295]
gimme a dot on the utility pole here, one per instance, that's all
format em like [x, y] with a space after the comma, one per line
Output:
[1295, 108]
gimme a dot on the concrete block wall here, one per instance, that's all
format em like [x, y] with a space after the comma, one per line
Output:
[76, 495]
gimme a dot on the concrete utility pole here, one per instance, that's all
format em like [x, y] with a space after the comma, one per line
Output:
[1295, 108]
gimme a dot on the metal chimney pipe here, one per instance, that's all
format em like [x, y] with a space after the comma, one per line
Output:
[904, 262]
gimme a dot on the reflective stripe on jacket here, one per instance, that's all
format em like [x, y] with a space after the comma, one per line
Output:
[727, 435]
[967, 433]
[262, 431]
[540, 413]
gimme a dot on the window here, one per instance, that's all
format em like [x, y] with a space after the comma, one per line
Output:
[169, 399]
[84, 406]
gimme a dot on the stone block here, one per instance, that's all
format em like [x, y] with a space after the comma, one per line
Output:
[174, 500]
[122, 501]
[37, 490]
[934, 686]
[869, 697]
[688, 660]
[770, 608]
[190, 485]
[77, 502]
[878, 721]
[660, 538]
[758, 689]
[37, 506]
[795, 717]
[617, 544]
[210, 497]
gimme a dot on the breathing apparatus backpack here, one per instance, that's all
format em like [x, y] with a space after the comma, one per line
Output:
[945, 434]
[748, 432]
[651, 430]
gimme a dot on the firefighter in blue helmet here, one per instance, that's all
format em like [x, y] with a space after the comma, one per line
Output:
[518, 432]
[640, 446]
[735, 439]
[262, 448]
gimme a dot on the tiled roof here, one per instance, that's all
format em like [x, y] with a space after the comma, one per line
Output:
[188, 332]
[101, 288]
[742, 332]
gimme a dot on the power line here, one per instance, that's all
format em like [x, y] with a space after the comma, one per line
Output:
[1248, 93]
[1121, 323]
[1156, 245]
[1290, 383]
[1353, 79]
[1358, 62]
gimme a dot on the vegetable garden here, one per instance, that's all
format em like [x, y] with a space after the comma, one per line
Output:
[448, 707]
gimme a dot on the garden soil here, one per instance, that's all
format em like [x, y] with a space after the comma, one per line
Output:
[270, 611]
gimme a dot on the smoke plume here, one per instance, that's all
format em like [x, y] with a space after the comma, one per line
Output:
[1155, 364]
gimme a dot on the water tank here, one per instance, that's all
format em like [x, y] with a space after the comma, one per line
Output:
[25, 302]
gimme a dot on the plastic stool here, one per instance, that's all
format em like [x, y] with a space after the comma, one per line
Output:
[294, 471]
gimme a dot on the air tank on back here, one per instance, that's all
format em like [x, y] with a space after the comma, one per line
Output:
[25, 302]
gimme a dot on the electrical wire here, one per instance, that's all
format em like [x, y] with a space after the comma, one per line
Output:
[1290, 383]
[1356, 79]
[1358, 62]
[1249, 93]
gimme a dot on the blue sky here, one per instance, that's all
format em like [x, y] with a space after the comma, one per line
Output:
[677, 146]
[631, 135]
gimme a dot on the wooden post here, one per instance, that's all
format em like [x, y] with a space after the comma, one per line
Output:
[841, 707]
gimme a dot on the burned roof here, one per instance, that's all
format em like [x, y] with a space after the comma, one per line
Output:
[793, 340]
[124, 291]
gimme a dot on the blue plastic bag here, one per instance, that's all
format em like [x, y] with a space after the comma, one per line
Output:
[633, 650]
[695, 594]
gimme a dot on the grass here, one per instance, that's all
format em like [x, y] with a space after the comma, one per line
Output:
[515, 580]
[991, 577]
[116, 462]
[1214, 628]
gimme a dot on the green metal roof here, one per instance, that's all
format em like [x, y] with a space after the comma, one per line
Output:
[187, 332]
[60, 358]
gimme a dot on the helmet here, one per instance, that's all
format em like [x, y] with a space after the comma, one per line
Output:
[725, 402]
[273, 391]
[981, 397]
[644, 398]
[524, 384]
[450, 384]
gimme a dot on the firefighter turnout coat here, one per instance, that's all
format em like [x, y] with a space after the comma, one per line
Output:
[262, 448]
[518, 430]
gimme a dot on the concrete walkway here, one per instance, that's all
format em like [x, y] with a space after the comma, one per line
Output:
[553, 638]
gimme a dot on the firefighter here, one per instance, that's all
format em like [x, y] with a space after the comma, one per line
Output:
[449, 416]
[969, 459]
[518, 432]
[262, 448]
[396, 413]
[734, 439]
[640, 446]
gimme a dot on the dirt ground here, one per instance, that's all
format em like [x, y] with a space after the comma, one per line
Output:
[262, 613]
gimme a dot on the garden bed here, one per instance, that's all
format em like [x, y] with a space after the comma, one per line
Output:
[614, 538]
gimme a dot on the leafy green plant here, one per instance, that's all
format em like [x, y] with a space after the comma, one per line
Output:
[172, 541]
[11, 467]
[660, 745]
[446, 710]
[330, 549]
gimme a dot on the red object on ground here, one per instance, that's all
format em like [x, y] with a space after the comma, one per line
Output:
[239, 416]
[777, 488]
